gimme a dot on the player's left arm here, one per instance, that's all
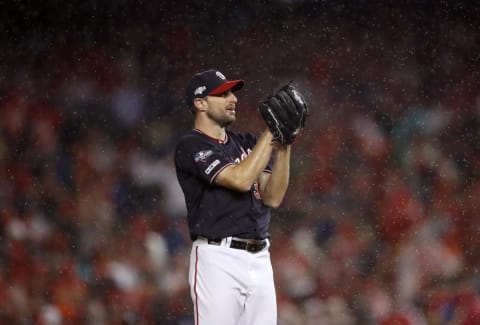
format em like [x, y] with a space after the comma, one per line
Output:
[274, 185]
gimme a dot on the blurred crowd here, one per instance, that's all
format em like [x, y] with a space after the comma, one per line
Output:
[379, 225]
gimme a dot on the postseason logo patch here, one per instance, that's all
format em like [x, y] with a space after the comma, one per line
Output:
[202, 155]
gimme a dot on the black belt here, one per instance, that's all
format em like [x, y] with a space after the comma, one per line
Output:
[249, 245]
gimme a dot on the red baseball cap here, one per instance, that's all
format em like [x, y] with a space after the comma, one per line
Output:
[210, 82]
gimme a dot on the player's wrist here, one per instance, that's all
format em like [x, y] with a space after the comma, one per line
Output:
[268, 135]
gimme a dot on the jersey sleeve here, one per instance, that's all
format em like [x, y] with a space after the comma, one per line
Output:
[204, 159]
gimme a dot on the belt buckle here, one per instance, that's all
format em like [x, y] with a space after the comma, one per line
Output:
[254, 247]
[251, 247]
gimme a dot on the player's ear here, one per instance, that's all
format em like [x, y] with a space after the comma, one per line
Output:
[200, 104]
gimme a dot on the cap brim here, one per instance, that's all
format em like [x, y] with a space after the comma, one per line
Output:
[232, 85]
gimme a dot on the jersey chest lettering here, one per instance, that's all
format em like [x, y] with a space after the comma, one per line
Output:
[255, 188]
[243, 155]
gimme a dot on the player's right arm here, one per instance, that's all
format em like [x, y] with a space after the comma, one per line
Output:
[240, 177]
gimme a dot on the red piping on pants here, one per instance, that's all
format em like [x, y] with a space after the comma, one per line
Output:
[195, 286]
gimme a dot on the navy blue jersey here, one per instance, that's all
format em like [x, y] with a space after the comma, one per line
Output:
[215, 211]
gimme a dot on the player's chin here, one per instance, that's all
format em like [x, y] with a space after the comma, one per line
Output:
[231, 116]
[228, 121]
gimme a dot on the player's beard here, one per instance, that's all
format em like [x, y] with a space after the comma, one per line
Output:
[224, 119]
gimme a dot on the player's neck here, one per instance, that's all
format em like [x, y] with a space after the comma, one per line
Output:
[213, 131]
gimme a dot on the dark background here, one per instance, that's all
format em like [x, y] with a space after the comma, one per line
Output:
[380, 222]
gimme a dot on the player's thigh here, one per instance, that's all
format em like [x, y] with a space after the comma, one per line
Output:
[261, 304]
[216, 285]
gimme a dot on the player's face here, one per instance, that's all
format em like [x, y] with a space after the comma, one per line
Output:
[222, 108]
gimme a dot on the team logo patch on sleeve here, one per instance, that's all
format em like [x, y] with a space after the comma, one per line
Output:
[202, 155]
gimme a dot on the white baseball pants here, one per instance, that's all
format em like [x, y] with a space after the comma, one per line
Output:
[231, 286]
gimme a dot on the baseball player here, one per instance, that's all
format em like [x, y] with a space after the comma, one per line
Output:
[230, 182]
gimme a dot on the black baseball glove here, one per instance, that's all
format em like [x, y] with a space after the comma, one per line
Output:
[284, 113]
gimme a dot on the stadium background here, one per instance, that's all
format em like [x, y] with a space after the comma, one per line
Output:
[380, 224]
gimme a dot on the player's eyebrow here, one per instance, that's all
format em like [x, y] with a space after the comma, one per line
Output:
[225, 93]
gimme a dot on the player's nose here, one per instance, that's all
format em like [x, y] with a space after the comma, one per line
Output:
[231, 97]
